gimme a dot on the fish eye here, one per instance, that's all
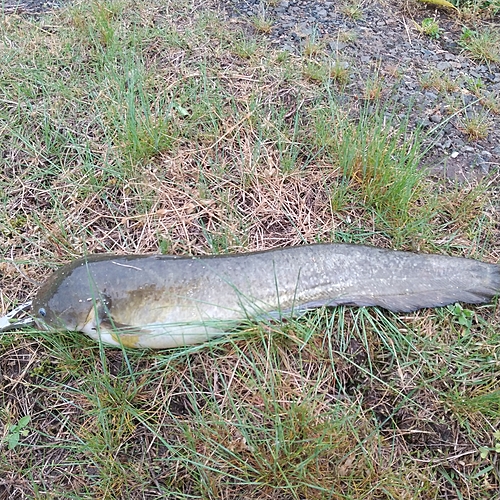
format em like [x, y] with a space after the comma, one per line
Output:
[42, 312]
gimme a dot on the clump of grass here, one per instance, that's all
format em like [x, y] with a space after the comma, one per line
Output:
[374, 88]
[491, 102]
[326, 69]
[354, 10]
[389, 180]
[316, 71]
[340, 71]
[245, 47]
[475, 85]
[429, 27]
[312, 47]
[477, 8]
[439, 80]
[482, 45]
[262, 24]
[476, 126]
[346, 36]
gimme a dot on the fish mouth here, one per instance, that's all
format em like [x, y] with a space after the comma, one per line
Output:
[55, 323]
[41, 324]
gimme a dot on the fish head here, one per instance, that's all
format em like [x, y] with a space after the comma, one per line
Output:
[65, 301]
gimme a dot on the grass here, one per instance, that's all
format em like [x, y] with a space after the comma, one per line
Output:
[127, 130]
[483, 45]
[476, 126]
[475, 8]
[429, 27]
[353, 10]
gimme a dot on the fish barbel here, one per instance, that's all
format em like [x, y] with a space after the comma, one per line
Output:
[159, 301]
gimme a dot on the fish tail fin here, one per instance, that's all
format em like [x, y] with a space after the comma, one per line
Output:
[405, 281]
[458, 280]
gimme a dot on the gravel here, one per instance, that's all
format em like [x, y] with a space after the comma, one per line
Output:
[384, 39]
[381, 38]
[29, 7]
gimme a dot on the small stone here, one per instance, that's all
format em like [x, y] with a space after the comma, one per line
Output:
[479, 162]
[336, 46]
[425, 123]
[442, 65]
[304, 32]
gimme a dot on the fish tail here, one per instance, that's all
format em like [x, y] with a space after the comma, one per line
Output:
[400, 281]
[438, 281]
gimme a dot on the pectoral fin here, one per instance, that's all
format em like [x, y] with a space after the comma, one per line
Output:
[122, 334]
[126, 340]
[100, 325]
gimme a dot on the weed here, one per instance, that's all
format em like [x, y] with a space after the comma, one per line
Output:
[16, 431]
[429, 27]
[484, 451]
[462, 316]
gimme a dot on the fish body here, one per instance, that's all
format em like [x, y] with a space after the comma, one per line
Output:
[159, 301]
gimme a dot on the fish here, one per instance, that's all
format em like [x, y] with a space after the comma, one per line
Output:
[161, 301]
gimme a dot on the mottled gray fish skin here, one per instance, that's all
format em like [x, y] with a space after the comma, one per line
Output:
[161, 301]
